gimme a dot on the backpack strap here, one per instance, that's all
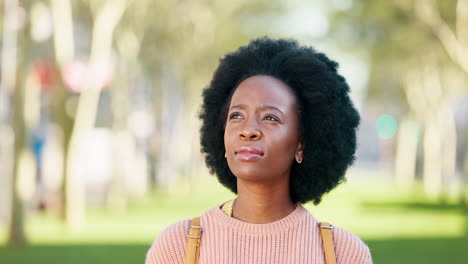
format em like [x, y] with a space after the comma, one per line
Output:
[194, 233]
[327, 239]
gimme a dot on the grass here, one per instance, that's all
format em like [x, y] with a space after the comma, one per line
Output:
[398, 227]
[419, 250]
[75, 254]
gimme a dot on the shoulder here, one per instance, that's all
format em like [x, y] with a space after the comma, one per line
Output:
[350, 248]
[169, 246]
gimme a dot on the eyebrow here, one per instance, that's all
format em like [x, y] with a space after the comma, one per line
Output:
[243, 106]
[272, 107]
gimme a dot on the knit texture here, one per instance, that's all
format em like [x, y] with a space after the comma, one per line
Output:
[292, 240]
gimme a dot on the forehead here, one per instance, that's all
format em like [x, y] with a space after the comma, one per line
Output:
[264, 90]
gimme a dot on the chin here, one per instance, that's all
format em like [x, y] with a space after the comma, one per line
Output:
[250, 174]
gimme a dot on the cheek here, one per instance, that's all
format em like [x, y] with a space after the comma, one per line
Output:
[285, 144]
[227, 138]
[286, 138]
[226, 143]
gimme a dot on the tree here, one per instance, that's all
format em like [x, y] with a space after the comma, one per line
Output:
[412, 49]
[106, 16]
[179, 43]
[18, 79]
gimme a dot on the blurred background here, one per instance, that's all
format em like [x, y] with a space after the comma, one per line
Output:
[99, 140]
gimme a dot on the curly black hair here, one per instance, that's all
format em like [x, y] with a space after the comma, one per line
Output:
[328, 119]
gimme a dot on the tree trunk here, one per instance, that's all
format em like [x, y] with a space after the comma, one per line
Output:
[64, 53]
[85, 116]
[407, 147]
[16, 234]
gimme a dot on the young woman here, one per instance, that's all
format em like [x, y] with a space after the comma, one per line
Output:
[279, 130]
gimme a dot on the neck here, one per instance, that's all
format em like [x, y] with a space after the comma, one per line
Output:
[261, 203]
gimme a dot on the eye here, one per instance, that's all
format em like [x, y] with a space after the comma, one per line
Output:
[271, 118]
[235, 115]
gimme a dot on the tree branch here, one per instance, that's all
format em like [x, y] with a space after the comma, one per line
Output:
[462, 22]
[425, 11]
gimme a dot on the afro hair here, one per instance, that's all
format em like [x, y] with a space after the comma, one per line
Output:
[328, 119]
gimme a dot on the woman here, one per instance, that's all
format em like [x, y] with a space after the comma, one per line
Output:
[279, 130]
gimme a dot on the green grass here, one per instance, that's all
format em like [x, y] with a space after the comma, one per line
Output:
[399, 227]
[75, 254]
[420, 250]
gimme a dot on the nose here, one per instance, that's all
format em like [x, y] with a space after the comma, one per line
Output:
[250, 132]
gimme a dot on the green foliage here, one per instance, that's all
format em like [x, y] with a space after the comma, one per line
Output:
[189, 36]
[394, 38]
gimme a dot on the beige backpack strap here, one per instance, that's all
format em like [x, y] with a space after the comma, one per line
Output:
[194, 233]
[327, 238]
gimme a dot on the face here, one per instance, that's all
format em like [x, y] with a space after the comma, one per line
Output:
[262, 130]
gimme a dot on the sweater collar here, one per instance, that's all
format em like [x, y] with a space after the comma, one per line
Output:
[274, 227]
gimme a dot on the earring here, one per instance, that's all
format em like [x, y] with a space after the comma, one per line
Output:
[299, 159]
[225, 155]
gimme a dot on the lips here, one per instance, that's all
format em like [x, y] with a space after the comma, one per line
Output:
[248, 153]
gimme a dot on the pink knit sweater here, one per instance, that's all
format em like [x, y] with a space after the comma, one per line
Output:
[293, 239]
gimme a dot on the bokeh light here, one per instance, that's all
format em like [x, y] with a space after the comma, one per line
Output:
[386, 126]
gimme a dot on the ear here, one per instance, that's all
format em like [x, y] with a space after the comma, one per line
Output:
[300, 151]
